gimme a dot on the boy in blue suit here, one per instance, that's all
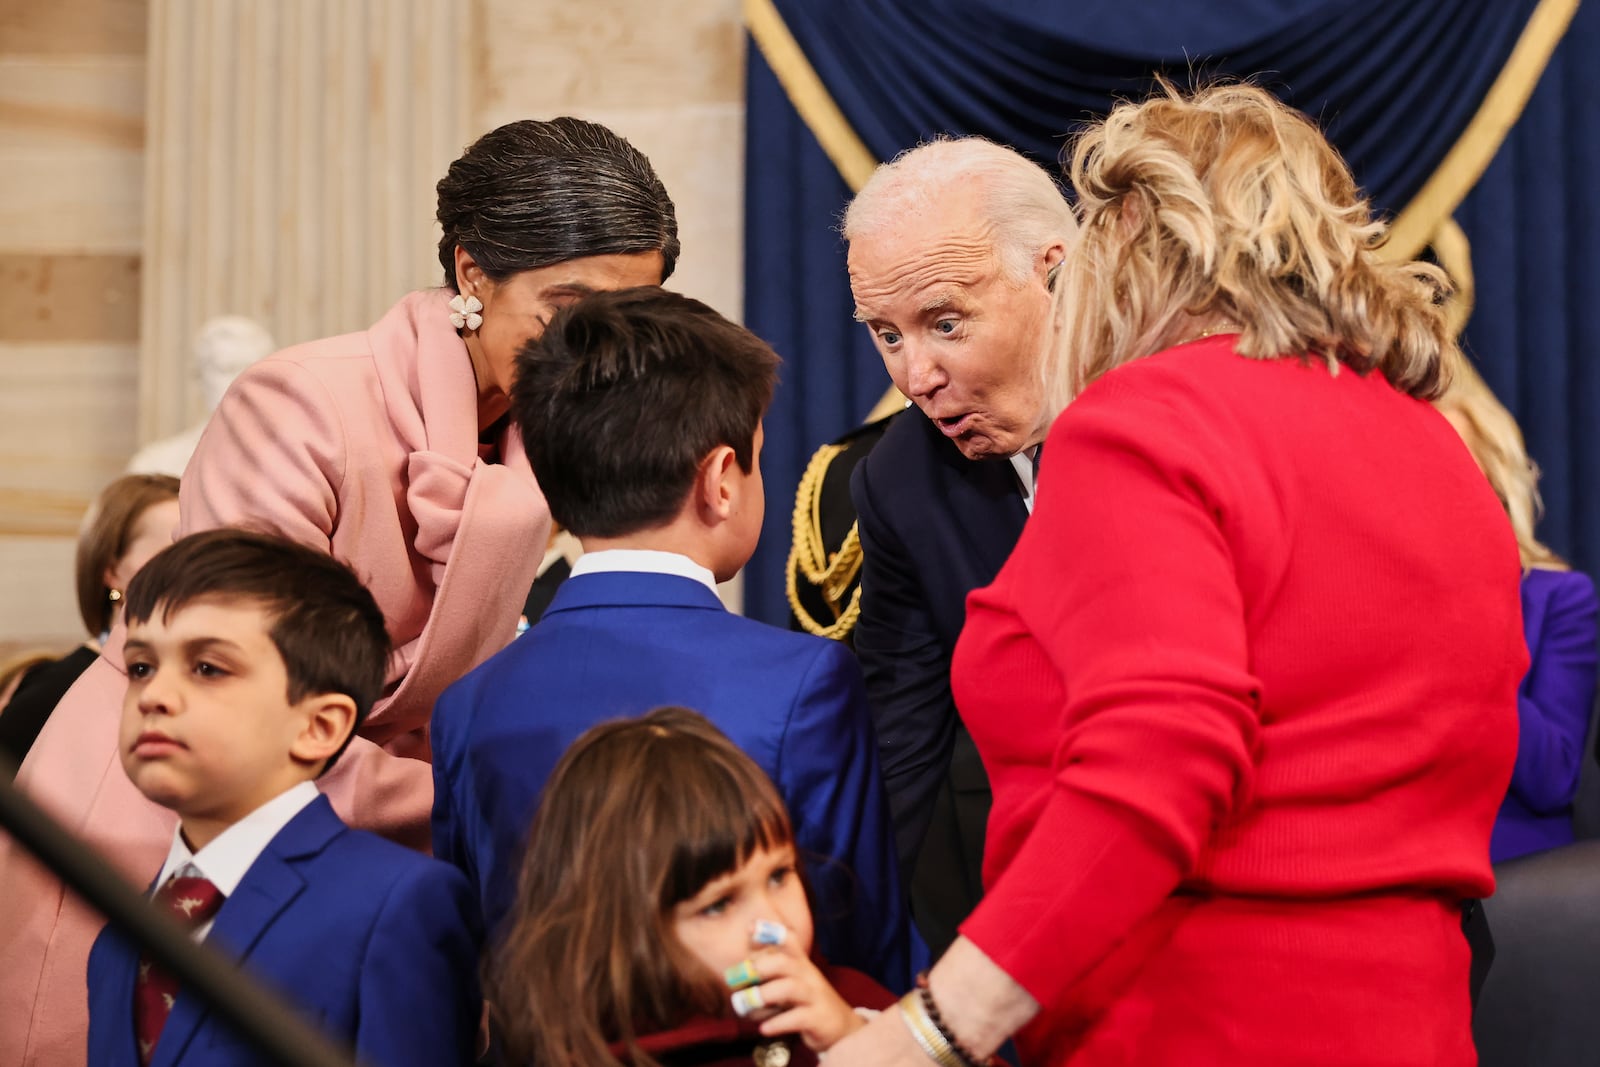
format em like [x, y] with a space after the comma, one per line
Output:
[251, 661]
[641, 415]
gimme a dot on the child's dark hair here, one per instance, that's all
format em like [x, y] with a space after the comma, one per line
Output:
[325, 624]
[638, 816]
[622, 397]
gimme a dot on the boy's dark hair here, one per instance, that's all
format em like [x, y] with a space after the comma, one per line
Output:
[623, 396]
[532, 194]
[325, 624]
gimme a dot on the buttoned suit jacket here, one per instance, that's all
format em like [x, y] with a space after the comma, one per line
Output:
[619, 644]
[934, 526]
[374, 942]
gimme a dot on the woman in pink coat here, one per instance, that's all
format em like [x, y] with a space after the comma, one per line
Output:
[390, 449]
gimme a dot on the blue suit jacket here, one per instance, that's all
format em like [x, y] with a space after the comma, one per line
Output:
[375, 942]
[620, 644]
[934, 526]
[1553, 705]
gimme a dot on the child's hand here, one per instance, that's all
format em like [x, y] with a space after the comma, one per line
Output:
[794, 997]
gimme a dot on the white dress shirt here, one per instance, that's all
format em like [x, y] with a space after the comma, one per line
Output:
[226, 859]
[1023, 462]
[647, 560]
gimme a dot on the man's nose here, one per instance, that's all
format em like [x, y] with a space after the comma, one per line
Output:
[925, 374]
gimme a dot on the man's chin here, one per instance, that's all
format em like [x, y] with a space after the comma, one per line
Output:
[976, 447]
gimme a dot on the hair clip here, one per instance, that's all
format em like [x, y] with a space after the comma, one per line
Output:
[464, 312]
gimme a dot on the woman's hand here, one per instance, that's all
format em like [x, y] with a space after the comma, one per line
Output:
[979, 1002]
[795, 998]
[883, 1042]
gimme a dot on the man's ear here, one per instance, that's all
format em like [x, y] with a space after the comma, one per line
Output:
[1051, 256]
[329, 719]
[714, 490]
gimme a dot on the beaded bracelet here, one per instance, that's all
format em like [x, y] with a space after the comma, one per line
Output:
[925, 994]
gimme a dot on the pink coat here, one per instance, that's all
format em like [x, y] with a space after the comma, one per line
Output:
[365, 446]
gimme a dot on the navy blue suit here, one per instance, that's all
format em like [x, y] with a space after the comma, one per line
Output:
[619, 644]
[934, 526]
[374, 942]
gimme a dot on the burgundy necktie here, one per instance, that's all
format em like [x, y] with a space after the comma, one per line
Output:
[190, 899]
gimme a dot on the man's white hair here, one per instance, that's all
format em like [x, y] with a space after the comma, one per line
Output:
[1020, 198]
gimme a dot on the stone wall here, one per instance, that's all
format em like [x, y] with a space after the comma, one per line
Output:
[113, 141]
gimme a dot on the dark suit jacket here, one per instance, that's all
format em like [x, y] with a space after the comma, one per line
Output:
[934, 526]
[617, 644]
[372, 940]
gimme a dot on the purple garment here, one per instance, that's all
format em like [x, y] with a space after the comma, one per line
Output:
[1553, 705]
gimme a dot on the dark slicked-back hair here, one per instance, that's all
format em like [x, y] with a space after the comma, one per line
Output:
[325, 624]
[623, 396]
[532, 194]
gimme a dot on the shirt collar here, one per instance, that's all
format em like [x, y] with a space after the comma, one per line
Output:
[226, 859]
[1022, 462]
[650, 561]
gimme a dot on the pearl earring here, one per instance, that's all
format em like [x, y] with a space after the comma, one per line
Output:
[114, 595]
[464, 312]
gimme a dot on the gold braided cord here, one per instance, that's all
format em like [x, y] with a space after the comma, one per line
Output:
[1502, 105]
[808, 555]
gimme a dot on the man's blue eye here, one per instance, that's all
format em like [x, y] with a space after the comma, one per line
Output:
[889, 337]
[945, 326]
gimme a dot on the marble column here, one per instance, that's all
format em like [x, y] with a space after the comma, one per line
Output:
[291, 154]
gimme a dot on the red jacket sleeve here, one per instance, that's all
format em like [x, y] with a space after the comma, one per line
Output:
[1125, 578]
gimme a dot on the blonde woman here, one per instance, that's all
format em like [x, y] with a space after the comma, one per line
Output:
[1559, 621]
[1246, 689]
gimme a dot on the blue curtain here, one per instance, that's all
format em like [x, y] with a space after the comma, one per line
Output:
[1393, 84]
[1535, 329]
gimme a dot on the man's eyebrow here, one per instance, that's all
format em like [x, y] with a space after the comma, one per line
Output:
[942, 300]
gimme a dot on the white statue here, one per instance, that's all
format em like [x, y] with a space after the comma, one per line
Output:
[223, 348]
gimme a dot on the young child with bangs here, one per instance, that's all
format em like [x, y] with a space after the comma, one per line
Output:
[662, 915]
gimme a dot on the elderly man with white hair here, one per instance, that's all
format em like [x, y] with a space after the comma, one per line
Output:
[954, 248]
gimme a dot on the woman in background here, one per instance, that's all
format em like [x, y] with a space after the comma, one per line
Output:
[1559, 610]
[390, 449]
[131, 520]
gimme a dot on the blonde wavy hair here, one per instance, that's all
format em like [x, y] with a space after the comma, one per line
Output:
[1227, 206]
[1495, 440]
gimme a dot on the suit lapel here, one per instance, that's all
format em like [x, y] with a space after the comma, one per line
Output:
[1534, 599]
[112, 998]
[986, 503]
[269, 886]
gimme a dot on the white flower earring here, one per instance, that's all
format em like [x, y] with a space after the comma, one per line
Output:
[464, 312]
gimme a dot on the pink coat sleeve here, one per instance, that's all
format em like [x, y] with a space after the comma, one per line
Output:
[271, 458]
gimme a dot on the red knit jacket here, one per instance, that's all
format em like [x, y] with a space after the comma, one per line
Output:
[1260, 639]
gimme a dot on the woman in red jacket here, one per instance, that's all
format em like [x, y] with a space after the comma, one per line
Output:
[1246, 689]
